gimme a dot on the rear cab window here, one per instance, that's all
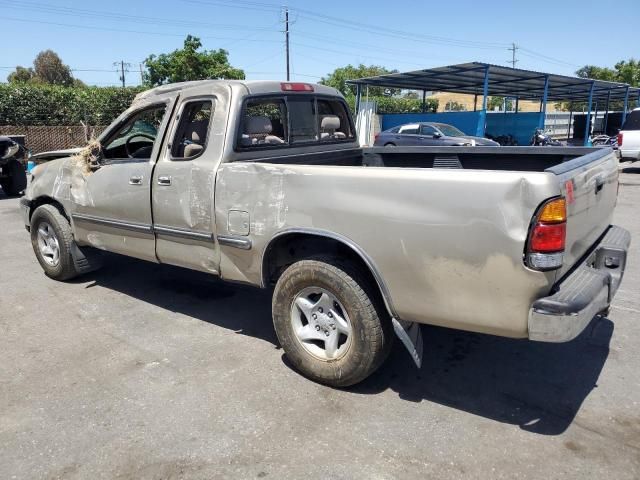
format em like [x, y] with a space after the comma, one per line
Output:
[281, 121]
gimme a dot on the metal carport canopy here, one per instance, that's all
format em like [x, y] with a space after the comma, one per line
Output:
[502, 81]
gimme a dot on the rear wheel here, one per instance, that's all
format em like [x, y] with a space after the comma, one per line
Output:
[52, 242]
[16, 181]
[329, 322]
[389, 144]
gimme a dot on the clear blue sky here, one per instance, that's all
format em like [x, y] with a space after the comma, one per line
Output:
[554, 36]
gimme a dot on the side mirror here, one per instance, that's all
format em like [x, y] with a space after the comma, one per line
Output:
[437, 135]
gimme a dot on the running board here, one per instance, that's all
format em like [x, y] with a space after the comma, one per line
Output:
[410, 335]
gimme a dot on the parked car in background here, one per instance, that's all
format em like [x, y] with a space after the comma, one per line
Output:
[629, 137]
[13, 157]
[433, 134]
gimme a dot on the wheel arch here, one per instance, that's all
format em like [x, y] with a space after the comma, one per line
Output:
[291, 245]
[47, 200]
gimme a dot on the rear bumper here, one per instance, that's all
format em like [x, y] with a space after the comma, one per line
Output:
[587, 291]
[624, 153]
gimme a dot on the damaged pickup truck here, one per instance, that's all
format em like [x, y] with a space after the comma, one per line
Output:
[264, 183]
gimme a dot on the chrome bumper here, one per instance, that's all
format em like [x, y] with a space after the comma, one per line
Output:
[587, 291]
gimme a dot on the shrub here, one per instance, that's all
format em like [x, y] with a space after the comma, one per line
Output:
[26, 104]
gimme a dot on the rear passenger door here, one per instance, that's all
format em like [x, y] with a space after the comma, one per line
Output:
[183, 188]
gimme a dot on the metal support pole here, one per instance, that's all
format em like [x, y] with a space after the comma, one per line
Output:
[595, 118]
[606, 113]
[569, 125]
[358, 97]
[424, 101]
[626, 105]
[482, 120]
[475, 102]
[286, 36]
[517, 103]
[587, 126]
[543, 103]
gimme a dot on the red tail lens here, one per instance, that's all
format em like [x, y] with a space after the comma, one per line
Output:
[620, 139]
[296, 87]
[548, 238]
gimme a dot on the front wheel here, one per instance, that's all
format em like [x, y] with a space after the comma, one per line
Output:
[329, 322]
[52, 242]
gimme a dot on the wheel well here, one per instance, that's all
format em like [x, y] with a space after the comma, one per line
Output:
[389, 144]
[44, 200]
[290, 248]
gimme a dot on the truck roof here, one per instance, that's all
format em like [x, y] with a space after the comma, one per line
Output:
[253, 87]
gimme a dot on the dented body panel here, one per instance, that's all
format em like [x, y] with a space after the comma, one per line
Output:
[445, 246]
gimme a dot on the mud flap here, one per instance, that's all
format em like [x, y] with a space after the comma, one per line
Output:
[410, 335]
[85, 259]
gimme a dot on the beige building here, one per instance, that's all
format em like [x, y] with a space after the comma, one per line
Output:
[444, 98]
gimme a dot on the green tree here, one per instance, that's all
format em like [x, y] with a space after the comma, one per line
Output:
[338, 79]
[189, 63]
[625, 71]
[21, 75]
[48, 68]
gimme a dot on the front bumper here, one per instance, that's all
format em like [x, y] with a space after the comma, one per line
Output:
[25, 211]
[586, 292]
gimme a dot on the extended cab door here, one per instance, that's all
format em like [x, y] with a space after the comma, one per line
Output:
[112, 208]
[183, 187]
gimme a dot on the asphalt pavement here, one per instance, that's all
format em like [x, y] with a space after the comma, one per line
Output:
[143, 371]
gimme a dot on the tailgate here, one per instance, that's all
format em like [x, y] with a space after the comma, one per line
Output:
[590, 186]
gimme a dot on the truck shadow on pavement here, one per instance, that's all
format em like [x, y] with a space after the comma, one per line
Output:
[537, 386]
[245, 310]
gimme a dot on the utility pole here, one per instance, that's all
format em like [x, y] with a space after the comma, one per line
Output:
[124, 68]
[513, 60]
[286, 37]
[141, 75]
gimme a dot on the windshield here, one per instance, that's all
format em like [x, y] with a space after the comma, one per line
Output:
[449, 130]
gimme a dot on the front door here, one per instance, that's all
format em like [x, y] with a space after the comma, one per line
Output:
[183, 189]
[113, 204]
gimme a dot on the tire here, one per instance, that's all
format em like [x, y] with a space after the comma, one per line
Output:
[370, 336]
[389, 144]
[17, 180]
[58, 235]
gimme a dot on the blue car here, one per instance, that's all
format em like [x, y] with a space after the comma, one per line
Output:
[429, 134]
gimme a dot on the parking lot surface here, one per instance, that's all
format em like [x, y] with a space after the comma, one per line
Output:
[143, 371]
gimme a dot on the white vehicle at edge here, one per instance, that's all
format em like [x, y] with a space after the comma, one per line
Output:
[629, 136]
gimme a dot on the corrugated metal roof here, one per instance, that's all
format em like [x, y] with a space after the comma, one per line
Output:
[503, 81]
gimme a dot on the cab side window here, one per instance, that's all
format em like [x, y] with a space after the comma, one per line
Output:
[264, 123]
[136, 138]
[192, 133]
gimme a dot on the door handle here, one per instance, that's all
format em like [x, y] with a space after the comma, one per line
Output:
[135, 180]
[164, 180]
[599, 184]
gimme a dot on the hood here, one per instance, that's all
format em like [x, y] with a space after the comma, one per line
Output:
[53, 154]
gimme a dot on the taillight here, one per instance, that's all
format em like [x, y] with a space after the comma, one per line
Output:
[375, 137]
[296, 87]
[547, 237]
[620, 139]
